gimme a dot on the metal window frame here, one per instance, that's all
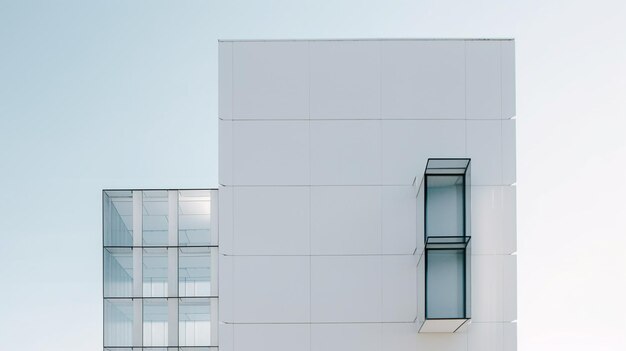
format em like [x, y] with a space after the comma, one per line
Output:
[457, 243]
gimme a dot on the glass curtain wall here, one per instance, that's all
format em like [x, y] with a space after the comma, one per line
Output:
[160, 269]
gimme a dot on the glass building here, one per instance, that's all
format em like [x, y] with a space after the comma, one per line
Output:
[160, 269]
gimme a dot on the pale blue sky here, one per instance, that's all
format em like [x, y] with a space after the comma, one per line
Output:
[107, 94]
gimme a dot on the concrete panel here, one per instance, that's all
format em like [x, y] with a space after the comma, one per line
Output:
[225, 152]
[271, 80]
[346, 289]
[345, 220]
[494, 288]
[272, 337]
[484, 147]
[406, 145]
[399, 210]
[508, 78]
[423, 79]
[226, 220]
[493, 220]
[226, 293]
[483, 97]
[347, 337]
[226, 337]
[509, 294]
[509, 204]
[271, 153]
[399, 282]
[509, 336]
[345, 152]
[345, 79]
[272, 221]
[225, 80]
[487, 288]
[400, 337]
[271, 289]
[509, 159]
[485, 337]
[442, 342]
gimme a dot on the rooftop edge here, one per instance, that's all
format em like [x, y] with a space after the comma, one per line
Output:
[369, 39]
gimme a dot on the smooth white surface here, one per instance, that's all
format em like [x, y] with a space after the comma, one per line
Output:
[442, 341]
[509, 158]
[270, 80]
[407, 145]
[509, 295]
[226, 289]
[225, 81]
[509, 336]
[272, 337]
[423, 79]
[399, 282]
[226, 337]
[226, 220]
[400, 336]
[345, 220]
[271, 152]
[345, 152]
[272, 221]
[493, 220]
[485, 337]
[508, 79]
[493, 288]
[225, 152]
[404, 337]
[346, 289]
[345, 79]
[341, 337]
[484, 94]
[271, 289]
[399, 210]
[484, 140]
[509, 203]
[323, 214]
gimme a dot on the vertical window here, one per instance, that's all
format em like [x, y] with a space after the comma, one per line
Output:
[155, 218]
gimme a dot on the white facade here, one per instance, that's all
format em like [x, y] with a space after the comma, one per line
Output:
[320, 142]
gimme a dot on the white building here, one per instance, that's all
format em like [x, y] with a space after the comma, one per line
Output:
[366, 202]
[322, 146]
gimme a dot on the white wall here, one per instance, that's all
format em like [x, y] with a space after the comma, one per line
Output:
[319, 144]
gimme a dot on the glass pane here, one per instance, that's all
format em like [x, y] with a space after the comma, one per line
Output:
[194, 326]
[444, 206]
[155, 218]
[155, 272]
[444, 285]
[155, 322]
[118, 218]
[118, 272]
[194, 217]
[118, 322]
[194, 271]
